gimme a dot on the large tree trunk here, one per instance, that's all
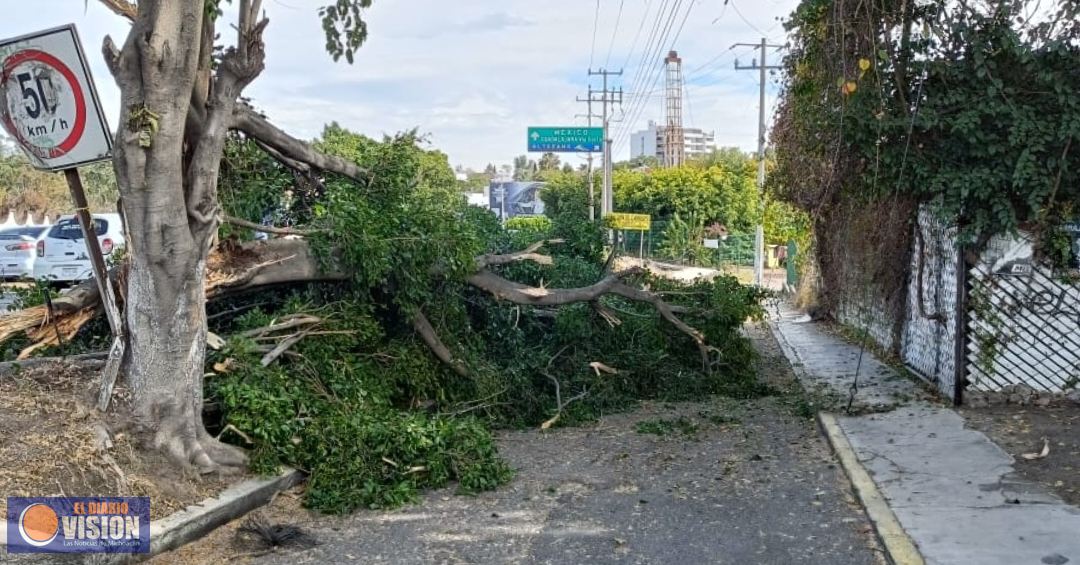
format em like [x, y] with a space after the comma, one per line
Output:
[167, 332]
[166, 158]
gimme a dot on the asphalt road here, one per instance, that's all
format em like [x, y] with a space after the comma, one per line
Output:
[762, 490]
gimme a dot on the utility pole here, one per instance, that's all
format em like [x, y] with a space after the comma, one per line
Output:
[608, 98]
[759, 235]
[592, 191]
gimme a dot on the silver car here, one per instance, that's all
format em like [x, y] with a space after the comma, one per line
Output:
[18, 251]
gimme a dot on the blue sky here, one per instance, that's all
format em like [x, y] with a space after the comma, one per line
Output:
[473, 74]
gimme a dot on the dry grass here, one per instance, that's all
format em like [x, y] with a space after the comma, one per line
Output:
[51, 445]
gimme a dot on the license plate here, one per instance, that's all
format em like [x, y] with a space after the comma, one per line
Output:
[70, 271]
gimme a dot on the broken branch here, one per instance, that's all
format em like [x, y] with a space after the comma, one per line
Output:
[287, 323]
[259, 227]
[122, 8]
[427, 333]
[611, 284]
[282, 348]
[527, 254]
[246, 120]
[518, 293]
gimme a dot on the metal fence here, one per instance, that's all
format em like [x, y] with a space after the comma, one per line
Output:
[1023, 322]
[1007, 320]
[734, 250]
[928, 344]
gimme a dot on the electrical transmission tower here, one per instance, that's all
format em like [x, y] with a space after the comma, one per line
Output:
[674, 141]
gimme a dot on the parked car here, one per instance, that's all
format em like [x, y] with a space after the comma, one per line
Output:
[62, 254]
[18, 251]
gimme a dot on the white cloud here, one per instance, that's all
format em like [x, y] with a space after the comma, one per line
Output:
[471, 73]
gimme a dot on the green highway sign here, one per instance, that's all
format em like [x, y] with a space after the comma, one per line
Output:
[566, 139]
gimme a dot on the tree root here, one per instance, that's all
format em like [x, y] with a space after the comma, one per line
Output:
[185, 440]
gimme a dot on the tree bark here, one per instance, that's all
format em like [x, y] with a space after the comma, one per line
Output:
[166, 164]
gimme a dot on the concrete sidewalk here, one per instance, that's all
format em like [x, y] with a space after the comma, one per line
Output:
[951, 489]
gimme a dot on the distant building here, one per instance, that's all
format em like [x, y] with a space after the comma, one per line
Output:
[480, 199]
[650, 142]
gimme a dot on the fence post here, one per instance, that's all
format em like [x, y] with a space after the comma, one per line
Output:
[792, 275]
[960, 357]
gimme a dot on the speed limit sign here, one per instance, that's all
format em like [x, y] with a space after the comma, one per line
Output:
[48, 102]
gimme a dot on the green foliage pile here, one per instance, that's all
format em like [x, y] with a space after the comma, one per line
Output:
[367, 409]
[328, 411]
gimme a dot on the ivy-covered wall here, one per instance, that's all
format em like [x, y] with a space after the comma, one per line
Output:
[971, 109]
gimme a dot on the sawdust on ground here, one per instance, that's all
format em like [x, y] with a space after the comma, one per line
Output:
[50, 434]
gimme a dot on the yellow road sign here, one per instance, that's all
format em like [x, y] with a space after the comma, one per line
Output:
[621, 221]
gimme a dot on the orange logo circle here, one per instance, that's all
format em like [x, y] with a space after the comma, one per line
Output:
[38, 524]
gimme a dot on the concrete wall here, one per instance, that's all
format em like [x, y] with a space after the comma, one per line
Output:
[869, 314]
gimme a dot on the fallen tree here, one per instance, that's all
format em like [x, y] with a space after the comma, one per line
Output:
[235, 268]
[374, 342]
[373, 350]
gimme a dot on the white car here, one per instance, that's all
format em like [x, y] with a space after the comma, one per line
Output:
[62, 254]
[18, 251]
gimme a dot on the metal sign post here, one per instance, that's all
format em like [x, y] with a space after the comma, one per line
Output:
[105, 288]
[49, 105]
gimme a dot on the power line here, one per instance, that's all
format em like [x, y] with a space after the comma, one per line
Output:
[689, 107]
[641, 101]
[650, 42]
[614, 32]
[711, 61]
[595, 23]
[657, 23]
[717, 61]
[746, 21]
[641, 26]
[645, 71]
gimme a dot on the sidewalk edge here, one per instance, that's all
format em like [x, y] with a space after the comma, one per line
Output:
[899, 547]
[789, 351]
[196, 521]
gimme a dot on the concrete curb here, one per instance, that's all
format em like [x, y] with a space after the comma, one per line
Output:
[792, 355]
[197, 520]
[899, 547]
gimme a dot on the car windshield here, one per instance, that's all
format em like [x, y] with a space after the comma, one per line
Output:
[19, 233]
[70, 229]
